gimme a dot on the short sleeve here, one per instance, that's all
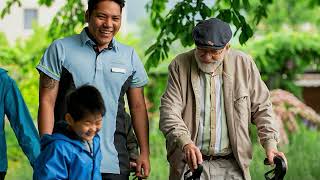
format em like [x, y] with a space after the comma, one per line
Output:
[140, 77]
[51, 61]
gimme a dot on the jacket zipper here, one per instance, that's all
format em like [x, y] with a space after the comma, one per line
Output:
[91, 154]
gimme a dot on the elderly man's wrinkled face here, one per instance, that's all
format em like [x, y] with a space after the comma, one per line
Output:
[208, 55]
[208, 58]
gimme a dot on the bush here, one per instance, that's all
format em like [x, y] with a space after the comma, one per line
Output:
[302, 155]
[281, 56]
[21, 61]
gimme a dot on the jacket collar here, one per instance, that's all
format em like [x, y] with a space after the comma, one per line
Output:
[62, 132]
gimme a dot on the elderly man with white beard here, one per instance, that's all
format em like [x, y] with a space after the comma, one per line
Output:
[213, 93]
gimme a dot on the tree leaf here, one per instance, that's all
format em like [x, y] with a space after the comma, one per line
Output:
[151, 48]
[236, 4]
[225, 15]
[246, 4]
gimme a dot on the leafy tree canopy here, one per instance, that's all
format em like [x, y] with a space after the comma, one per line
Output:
[172, 24]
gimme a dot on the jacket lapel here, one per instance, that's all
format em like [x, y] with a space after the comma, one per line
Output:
[195, 82]
[228, 70]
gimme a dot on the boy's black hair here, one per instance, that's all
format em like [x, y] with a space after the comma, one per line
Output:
[85, 99]
[92, 4]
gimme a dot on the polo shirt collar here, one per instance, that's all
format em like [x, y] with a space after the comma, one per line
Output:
[87, 40]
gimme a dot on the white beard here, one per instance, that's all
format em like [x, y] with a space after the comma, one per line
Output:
[207, 68]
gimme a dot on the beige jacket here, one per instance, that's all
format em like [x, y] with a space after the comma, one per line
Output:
[246, 101]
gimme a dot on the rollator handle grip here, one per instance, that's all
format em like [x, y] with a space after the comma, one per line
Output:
[195, 175]
[279, 171]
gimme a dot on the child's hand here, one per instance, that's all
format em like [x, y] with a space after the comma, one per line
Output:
[133, 165]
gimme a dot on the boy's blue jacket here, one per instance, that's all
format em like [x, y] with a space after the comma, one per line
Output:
[13, 106]
[63, 156]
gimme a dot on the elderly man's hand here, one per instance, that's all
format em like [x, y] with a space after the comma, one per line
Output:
[271, 153]
[193, 156]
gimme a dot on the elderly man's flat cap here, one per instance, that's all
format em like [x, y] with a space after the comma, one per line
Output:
[212, 33]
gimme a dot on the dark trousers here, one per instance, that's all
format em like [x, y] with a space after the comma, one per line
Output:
[2, 175]
[107, 176]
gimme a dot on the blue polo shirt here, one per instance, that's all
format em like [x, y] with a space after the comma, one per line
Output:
[73, 61]
[13, 106]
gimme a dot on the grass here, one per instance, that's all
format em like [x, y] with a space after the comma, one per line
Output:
[302, 154]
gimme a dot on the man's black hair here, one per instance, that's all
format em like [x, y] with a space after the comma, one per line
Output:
[85, 99]
[92, 4]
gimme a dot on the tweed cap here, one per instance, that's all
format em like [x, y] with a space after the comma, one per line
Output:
[212, 33]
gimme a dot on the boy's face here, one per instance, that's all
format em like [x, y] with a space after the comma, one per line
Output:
[87, 127]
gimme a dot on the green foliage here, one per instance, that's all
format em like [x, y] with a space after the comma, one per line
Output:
[179, 22]
[158, 75]
[21, 60]
[5, 51]
[45, 2]
[303, 148]
[290, 13]
[9, 4]
[159, 163]
[156, 86]
[3, 39]
[281, 56]
[68, 21]
[131, 40]
[156, 8]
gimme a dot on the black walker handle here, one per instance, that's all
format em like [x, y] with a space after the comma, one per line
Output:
[195, 175]
[279, 171]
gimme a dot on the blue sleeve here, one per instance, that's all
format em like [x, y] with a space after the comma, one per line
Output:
[52, 163]
[98, 158]
[140, 77]
[51, 61]
[21, 122]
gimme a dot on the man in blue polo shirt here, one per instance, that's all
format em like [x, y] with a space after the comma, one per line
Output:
[94, 57]
[13, 106]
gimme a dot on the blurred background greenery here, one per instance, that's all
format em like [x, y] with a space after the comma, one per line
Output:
[284, 44]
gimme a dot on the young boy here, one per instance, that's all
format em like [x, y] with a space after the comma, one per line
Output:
[13, 106]
[74, 151]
